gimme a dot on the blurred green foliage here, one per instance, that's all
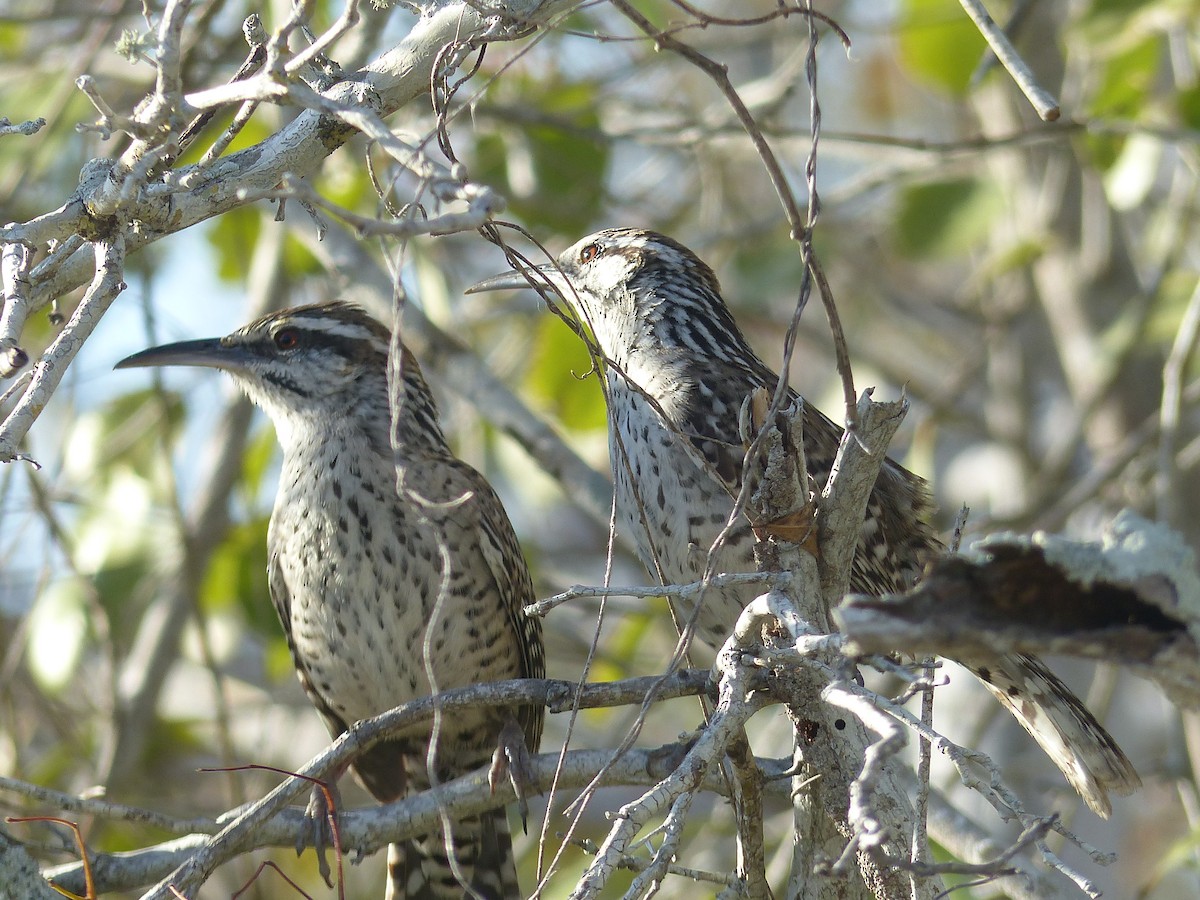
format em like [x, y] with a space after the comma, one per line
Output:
[560, 376]
[945, 218]
[980, 258]
[552, 169]
[939, 44]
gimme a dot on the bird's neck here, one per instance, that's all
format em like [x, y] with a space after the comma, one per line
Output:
[661, 344]
[360, 423]
[319, 439]
[638, 363]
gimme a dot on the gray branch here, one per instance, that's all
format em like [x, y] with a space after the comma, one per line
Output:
[192, 859]
[19, 876]
[114, 195]
[108, 263]
[1132, 598]
[852, 811]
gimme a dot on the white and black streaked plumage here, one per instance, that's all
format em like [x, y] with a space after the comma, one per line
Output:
[357, 572]
[677, 371]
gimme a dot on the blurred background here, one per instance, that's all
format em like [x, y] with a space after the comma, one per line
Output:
[1024, 283]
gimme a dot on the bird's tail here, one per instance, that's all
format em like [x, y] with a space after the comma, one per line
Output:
[484, 867]
[1070, 735]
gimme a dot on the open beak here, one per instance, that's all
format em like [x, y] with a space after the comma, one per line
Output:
[209, 353]
[540, 276]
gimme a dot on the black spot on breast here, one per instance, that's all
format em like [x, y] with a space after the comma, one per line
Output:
[984, 673]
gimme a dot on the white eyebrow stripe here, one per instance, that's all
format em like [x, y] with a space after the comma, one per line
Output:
[351, 331]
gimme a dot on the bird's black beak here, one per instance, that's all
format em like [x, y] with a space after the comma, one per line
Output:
[209, 353]
[544, 277]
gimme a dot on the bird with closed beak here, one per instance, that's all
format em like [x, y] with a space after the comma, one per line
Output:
[677, 370]
[388, 589]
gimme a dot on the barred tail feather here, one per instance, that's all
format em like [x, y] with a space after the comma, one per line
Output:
[406, 875]
[419, 869]
[1070, 735]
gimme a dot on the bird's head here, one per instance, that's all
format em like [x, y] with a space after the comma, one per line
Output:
[319, 360]
[634, 289]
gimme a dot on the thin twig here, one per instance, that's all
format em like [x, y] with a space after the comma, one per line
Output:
[1167, 494]
[104, 289]
[1041, 99]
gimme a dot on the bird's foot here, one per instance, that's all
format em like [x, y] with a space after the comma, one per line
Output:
[513, 760]
[319, 828]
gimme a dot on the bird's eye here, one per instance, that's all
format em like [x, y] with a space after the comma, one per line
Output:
[287, 339]
[588, 253]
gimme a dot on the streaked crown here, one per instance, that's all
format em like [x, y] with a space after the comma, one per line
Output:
[642, 291]
[309, 353]
[324, 360]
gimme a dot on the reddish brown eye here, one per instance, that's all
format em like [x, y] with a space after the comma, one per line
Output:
[588, 253]
[286, 339]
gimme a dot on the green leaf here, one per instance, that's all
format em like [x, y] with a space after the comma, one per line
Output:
[12, 41]
[170, 739]
[278, 662]
[1014, 258]
[560, 358]
[116, 451]
[121, 584]
[768, 271]
[252, 132]
[1127, 41]
[237, 576]
[1107, 24]
[298, 260]
[1187, 104]
[262, 449]
[1127, 80]
[551, 171]
[943, 218]
[939, 44]
[1174, 295]
[146, 408]
[233, 242]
